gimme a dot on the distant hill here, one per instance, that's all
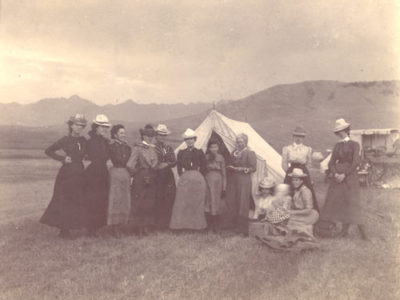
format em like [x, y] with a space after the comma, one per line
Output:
[273, 113]
[53, 111]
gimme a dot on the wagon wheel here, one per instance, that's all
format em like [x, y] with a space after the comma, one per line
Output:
[376, 172]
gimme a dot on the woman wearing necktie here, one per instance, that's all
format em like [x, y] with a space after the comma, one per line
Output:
[66, 210]
[298, 156]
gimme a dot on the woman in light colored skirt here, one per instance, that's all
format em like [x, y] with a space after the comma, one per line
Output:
[297, 234]
[303, 215]
[188, 210]
[216, 183]
[119, 201]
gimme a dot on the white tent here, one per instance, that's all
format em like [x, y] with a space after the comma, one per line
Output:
[268, 160]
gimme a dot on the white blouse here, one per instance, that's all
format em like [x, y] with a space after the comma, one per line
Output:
[296, 153]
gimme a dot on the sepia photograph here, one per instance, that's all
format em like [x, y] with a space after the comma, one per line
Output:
[199, 149]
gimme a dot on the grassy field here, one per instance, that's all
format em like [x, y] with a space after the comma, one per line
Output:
[35, 264]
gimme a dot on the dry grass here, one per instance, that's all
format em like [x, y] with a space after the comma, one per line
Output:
[35, 264]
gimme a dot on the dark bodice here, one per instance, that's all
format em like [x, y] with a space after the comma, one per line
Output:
[119, 154]
[98, 150]
[345, 157]
[165, 154]
[344, 151]
[245, 159]
[191, 159]
[74, 147]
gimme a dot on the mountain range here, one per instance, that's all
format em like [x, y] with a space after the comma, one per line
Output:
[52, 111]
[273, 112]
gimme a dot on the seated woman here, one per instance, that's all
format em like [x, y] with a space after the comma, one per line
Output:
[296, 233]
[303, 215]
[272, 207]
[264, 198]
[298, 155]
[279, 208]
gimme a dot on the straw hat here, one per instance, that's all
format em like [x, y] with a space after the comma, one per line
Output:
[299, 131]
[267, 183]
[78, 119]
[162, 129]
[189, 134]
[297, 173]
[340, 125]
[102, 120]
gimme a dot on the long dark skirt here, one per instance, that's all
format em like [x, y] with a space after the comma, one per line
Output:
[307, 181]
[165, 195]
[97, 190]
[342, 202]
[143, 195]
[66, 209]
[238, 200]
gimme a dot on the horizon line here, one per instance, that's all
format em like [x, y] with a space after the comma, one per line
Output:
[192, 102]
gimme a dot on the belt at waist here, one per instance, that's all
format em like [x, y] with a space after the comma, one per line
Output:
[296, 164]
[342, 161]
[214, 170]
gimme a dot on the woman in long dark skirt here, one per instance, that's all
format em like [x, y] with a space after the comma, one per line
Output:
[119, 200]
[66, 210]
[243, 164]
[298, 156]
[342, 202]
[142, 165]
[97, 178]
[165, 181]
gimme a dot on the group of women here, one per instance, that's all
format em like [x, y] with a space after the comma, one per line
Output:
[97, 195]
[342, 201]
[139, 190]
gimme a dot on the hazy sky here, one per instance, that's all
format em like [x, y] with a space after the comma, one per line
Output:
[186, 51]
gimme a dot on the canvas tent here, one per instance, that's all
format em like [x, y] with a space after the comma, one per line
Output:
[268, 160]
[370, 139]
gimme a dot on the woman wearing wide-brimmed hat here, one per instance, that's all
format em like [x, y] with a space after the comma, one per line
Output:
[188, 209]
[142, 165]
[303, 214]
[342, 202]
[165, 181]
[297, 155]
[297, 232]
[66, 210]
[119, 200]
[97, 177]
[264, 197]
